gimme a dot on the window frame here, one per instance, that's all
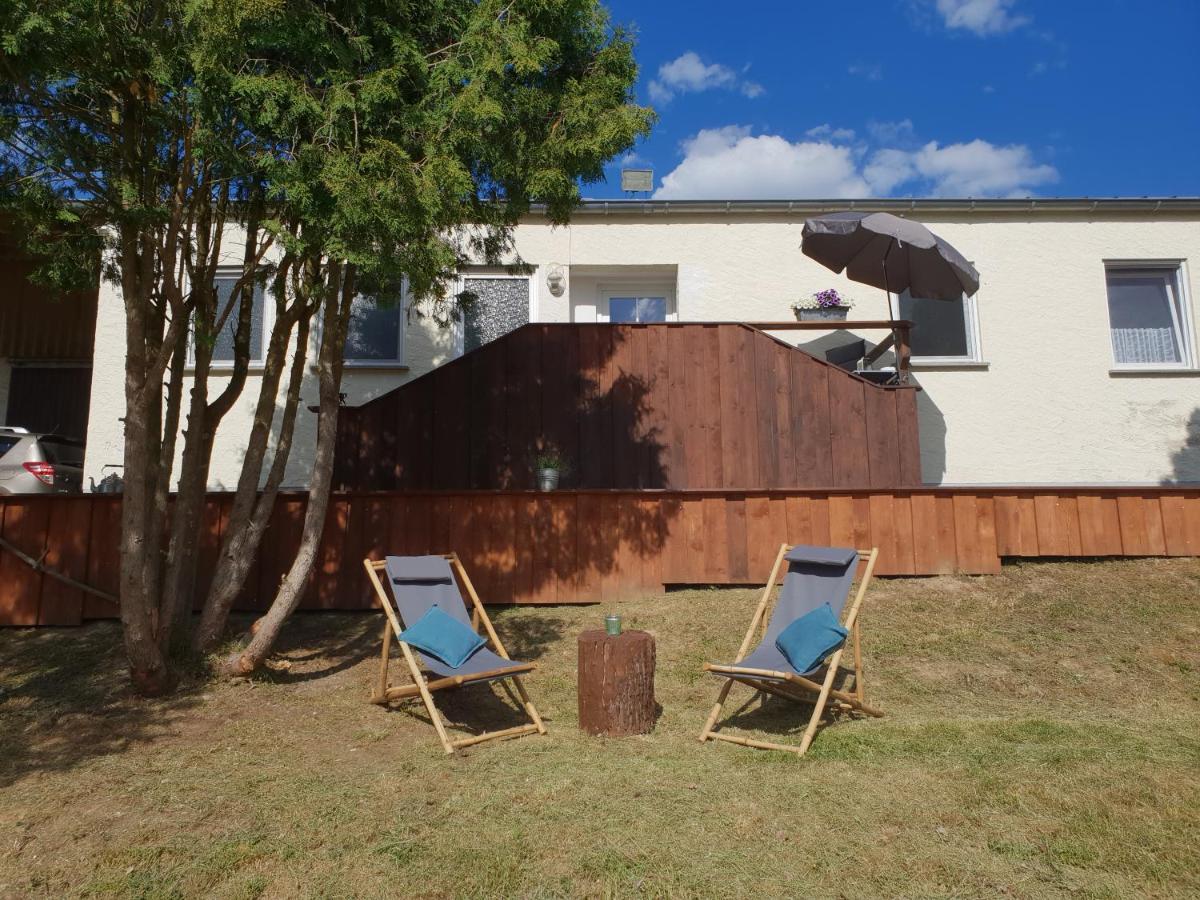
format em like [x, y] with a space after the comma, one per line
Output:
[608, 290]
[460, 281]
[256, 363]
[1181, 312]
[402, 325]
[973, 335]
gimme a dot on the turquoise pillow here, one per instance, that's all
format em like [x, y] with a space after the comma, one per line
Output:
[443, 636]
[811, 638]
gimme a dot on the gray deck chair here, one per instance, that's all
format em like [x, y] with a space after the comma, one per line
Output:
[416, 583]
[815, 575]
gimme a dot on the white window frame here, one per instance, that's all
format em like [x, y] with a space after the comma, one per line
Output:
[606, 291]
[460, 324]
[974, 337]
[398, 362]
[227, 365]
[1181, 312]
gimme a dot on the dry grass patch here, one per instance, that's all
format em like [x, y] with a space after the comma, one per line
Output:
[1042, 739]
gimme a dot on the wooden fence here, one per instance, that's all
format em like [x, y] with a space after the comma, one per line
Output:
[592, 546]
[674, 407]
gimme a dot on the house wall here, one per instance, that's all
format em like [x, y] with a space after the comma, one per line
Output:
[1043, 408]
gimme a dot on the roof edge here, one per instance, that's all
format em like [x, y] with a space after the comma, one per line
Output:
[961, 205]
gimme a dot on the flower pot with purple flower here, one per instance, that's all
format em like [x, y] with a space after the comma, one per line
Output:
[826, 304]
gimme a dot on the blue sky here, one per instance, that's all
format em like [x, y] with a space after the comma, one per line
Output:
[917, 98]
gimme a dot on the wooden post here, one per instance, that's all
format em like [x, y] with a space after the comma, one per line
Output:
[903, 350]
[616, 683]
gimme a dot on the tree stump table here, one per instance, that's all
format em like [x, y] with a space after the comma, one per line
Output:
[616, 683]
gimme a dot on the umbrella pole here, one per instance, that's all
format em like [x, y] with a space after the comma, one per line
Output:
[901, 375]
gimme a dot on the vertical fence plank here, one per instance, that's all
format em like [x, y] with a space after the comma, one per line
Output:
[104, 556]
[1174, 528]
[736, 540]
[761, 535]
[715, 545]
[67, 534]
[848, 433]
[1099, 525]
[811, 423]
[23, 524]
[883, 440]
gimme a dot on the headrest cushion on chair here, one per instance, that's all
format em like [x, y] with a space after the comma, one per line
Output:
[420, 570]
[822, 556]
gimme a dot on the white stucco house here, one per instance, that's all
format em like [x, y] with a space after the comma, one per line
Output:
[1076, 362]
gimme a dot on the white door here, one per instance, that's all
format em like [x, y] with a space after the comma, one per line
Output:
[636, 303]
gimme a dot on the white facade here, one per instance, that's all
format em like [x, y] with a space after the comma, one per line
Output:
[1044, 400]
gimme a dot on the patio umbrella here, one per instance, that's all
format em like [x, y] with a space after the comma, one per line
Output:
[888, 252]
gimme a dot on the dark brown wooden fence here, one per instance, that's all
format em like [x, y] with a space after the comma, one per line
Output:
[591, 546]
[678, 407]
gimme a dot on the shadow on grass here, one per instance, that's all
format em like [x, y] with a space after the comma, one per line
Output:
[780, 716]
[65, 699]
[473, 708]
[526, 637]
[322, 644]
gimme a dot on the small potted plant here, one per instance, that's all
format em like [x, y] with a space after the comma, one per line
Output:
[826, 304]
[550, 464]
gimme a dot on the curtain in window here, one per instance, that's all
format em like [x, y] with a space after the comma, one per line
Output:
[1144, 316]
[1145, 345]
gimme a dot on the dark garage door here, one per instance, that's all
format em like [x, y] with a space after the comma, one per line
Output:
[50, 399]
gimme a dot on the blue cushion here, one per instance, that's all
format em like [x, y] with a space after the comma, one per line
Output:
[811, 638]
[443, 636]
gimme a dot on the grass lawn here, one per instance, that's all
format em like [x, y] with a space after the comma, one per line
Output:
[1042, 739]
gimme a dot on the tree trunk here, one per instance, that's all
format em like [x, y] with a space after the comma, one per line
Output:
[337, 304]
[147, 667]
[251, 513]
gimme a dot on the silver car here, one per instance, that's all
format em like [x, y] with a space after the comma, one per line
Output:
[39, 463]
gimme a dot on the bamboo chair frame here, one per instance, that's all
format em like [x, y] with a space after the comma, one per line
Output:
[425, 687]
[793, 686]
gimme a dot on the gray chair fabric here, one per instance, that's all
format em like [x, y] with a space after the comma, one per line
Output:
[420, 582]
[815, 575]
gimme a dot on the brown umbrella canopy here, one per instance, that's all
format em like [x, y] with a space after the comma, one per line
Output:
[888, 252]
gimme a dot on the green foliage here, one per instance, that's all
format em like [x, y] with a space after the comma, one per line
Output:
[395, 135]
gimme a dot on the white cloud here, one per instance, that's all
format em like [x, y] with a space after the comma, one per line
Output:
[828, 131]
[689, 74]
[981, 17]
[729, 163]
[632, 159]
[980, 169]
[732, 163]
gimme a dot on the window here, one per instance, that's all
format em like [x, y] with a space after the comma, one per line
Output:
[637, 309]
[944, 331]
[501, 305]
[375, 334]
[222, 353]
[636, 304]
[1147, 316]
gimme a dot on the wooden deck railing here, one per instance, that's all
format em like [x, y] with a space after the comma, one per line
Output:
[898, 341]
